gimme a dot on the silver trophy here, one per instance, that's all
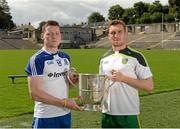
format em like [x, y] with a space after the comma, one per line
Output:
[91, 89]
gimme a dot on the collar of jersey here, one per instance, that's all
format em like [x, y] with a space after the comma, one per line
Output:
[49, 52]
[120, 51]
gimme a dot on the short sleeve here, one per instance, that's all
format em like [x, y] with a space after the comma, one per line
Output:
[142, 69]
[35, 67]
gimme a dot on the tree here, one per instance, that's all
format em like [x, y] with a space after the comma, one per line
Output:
[140, 8]
[128, 16]
[159, 7]
[115, 12]
[40, 25]
[145, 18]
[155, 7]
[176, 5]
[4, 5]
[169, 17]
[165, 9]
[156, 17]
[5, 16]
[95, 17]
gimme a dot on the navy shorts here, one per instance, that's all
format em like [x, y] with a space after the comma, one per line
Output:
[53, 122]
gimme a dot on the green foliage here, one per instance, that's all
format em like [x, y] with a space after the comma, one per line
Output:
[140, 8]
[95, 17]
[145, 18]
[156, 17]
[152, 8]
[146, 13]
[41, 25]
[165, 9]
[176, 5]
[155, 7]
[115, 12]
[172, 10]
[169, 17]
[5, 16]
[158, 6]
[128, 16]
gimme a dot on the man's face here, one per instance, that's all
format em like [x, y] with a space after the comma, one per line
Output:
[117, 35]
[51, 36]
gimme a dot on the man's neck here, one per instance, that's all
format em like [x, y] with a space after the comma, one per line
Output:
[50, 49]
[118, 48]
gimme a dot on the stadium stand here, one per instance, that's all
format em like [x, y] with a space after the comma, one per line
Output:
[144, 41]
[17, 44]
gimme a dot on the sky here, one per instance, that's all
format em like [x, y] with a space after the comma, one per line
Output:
[64, 11]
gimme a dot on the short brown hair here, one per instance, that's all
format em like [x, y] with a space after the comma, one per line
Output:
[116, 22]
[50, 23]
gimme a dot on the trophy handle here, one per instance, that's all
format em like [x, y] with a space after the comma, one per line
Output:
[106, 91]
[72, 76]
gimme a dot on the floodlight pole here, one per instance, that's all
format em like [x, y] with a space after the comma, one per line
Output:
[162, 29]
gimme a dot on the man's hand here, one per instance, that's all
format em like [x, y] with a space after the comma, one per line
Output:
[142, 84]
[71, 104]
[117, 76]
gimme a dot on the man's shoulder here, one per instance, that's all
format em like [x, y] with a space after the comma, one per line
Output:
[38, 55]
[136, 54]
[108, 53]
[63, 55]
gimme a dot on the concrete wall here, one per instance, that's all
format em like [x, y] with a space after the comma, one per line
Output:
[77, 35]
[153, 28]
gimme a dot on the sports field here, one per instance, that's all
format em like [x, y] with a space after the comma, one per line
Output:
[158, 110]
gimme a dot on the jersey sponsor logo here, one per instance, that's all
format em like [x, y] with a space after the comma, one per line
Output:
[50, 62]
[50, 74]
[55, 74]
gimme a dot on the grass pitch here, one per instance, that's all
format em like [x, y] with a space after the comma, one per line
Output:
[15, 100]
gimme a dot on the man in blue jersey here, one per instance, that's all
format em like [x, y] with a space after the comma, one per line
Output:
[48, 84]
[128, 72]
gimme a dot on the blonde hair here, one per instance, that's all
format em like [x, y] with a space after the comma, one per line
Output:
[116, 22]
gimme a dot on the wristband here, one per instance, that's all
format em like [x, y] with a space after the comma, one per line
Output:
[65, 103]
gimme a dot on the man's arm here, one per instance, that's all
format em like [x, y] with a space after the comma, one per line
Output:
[38, 94]
[141, 84]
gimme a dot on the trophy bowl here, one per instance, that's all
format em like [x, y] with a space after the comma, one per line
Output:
[91, 89]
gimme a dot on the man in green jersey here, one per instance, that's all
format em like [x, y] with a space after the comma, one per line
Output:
[128, 72]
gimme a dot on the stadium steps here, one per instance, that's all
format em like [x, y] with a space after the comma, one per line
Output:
[104, 42]
[4, 45]
[167, 36]
[173, 42]
[146, 41]
[12, 45]
[17, 44]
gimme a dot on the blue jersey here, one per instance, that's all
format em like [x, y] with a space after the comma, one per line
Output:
[52, 68]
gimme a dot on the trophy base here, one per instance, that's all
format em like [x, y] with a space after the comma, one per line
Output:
[90, 107]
